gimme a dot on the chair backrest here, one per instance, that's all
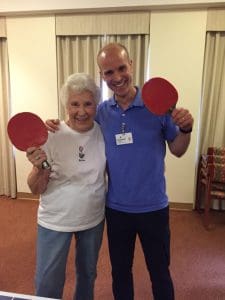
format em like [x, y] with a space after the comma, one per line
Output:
[216, 159]
[214, 162]
[216, 151]
[216, 172]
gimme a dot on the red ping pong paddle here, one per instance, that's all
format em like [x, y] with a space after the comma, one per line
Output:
[27, 130]
[159, 96]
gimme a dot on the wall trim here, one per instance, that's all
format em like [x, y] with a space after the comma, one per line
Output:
[27, 196]
[181, 206]
[25, 7]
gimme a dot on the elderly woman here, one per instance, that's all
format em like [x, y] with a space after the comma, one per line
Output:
[72, 193]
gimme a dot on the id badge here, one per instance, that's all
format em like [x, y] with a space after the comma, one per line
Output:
[124, 138]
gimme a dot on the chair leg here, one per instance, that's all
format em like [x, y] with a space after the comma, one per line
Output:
[197, 195]
[199, 191]
[220, 204]
[207, 203]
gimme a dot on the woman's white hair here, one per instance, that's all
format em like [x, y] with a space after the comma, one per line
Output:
[79, 82]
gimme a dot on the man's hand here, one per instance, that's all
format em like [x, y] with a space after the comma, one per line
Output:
[52, 124]
[183, 118]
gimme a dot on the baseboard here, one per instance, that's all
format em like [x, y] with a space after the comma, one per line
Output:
[27, 196]
[181, 206]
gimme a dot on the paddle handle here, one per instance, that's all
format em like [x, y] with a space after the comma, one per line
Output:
[170, 110]
[46, 165]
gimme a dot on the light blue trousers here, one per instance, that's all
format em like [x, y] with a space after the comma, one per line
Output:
[52, 252]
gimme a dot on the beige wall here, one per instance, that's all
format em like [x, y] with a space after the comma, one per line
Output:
[177, 41]
[176, 52]
[32, 65]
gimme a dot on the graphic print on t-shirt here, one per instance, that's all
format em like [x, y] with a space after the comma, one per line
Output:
[81, 154]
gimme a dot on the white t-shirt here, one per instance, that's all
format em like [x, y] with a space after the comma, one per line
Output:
[75, 195]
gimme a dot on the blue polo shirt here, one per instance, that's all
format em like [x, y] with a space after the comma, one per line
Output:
[136, 170]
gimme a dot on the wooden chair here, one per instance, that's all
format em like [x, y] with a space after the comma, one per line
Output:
[210, 182]
[218, 151]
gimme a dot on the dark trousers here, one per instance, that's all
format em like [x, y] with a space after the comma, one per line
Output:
[154, 234]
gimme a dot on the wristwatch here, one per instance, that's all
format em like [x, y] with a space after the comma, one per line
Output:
[185, 131]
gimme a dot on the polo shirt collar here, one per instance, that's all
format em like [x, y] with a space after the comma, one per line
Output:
[136, 102]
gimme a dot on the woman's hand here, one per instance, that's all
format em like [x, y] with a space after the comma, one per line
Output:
[39, 177]
[36, 156]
